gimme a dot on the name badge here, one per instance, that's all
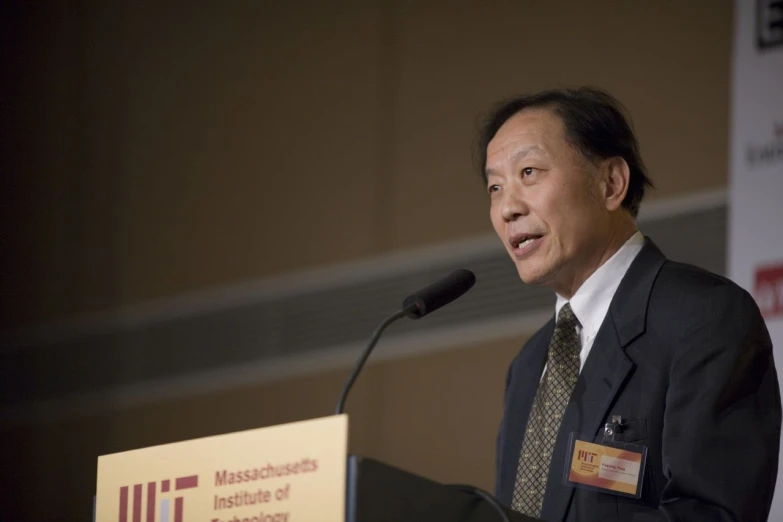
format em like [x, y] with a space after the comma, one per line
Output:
[609, 466]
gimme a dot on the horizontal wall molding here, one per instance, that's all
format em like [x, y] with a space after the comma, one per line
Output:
[303, 323]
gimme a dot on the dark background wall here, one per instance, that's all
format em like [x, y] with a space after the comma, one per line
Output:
[152, 149]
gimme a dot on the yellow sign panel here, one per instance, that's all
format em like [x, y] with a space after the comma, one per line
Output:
[289, 473]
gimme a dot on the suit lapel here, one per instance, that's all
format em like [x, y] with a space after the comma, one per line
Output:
[604, 372]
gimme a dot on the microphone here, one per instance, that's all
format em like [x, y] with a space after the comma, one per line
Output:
[439, 294]
[415, 306]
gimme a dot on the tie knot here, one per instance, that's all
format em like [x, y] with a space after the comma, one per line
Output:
[566, 317]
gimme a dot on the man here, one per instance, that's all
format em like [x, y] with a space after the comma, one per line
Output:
[657, 354]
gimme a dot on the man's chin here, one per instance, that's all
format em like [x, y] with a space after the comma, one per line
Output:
[531, 277]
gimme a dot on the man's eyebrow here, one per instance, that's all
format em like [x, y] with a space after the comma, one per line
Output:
[518, 155]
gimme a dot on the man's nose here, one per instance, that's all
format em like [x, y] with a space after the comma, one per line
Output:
[514, 205]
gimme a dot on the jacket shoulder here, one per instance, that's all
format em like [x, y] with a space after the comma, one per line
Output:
[688, 280]
[686, 295]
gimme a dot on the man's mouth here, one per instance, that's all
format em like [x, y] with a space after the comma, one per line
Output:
[522, 240]
[524, 244]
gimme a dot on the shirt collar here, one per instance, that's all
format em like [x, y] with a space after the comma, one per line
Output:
[591, 301]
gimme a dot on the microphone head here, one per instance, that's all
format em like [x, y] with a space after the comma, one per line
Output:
[438, 294]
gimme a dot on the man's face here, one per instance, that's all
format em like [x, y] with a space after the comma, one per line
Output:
[545, 201]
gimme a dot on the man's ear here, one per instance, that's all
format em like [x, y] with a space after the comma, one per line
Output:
[615, 177]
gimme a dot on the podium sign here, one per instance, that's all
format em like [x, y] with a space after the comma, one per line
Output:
[286, 473]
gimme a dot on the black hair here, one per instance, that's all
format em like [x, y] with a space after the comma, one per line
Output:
[595, 124]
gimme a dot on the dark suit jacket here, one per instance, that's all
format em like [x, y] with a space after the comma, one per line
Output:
[685, 357]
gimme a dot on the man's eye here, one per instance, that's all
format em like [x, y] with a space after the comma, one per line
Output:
[528, 171]
[493, 188]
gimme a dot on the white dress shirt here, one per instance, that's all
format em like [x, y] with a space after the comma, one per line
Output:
[591, 301]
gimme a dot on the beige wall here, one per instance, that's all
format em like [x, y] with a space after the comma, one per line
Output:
[152, 149]
[159, 149]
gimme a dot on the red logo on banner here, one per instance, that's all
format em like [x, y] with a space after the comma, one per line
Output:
[769, 290]
[165, 507]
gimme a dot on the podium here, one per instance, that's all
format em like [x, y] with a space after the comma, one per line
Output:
[381, 493]
[290, 473]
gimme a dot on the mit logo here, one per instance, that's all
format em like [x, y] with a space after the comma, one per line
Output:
[152, 489]
[587, 456]
[769, 23]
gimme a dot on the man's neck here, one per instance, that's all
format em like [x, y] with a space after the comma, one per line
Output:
[619, 236]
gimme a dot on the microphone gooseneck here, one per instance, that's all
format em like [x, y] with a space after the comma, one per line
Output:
[363, 358]
[415, 306]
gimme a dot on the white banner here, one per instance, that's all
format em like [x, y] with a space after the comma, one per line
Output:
[756, 177]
